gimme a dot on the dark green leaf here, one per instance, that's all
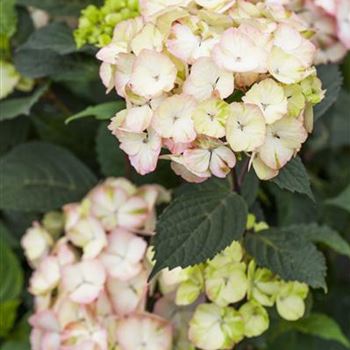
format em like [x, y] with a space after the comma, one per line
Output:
[293, 177]
[56, 37]
[196, 226]
[112, 159]
[60, 7]
[212, 184]
[250, 187]
[11, 275]
[321, 234]
[16, 345]
[8, 316]
[290, 256]
[40, 177]
[8, 18]
[7, 237]
[340, 123]
[342, 200]
[42, 63]
[332, 80]
[25, 27]
[14, 107]
[102, 111]
[13, 132]
[322, 326]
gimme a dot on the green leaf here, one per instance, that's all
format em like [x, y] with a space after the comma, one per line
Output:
[8, 316]
[14, 107]
[39, 176]
[332, 80]
[12, 133]
[342, 200]
[56, 37]
[340, 126]
[102, 111]
[322, 326]
[196, 226]
[42, 63]
[290, 256]
[250, 187]
[111, 158]
[7, 237]
[60, 7]
[11, 275]
[321, 234]
[212, 184]
[16, 345]
[8, 21]
[294, 178]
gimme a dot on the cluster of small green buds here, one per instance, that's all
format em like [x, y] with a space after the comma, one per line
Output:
[96, 25]
[232, 295]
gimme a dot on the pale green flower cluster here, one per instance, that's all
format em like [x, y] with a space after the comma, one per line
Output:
[96, 25]
[232, 294]
[11, 79]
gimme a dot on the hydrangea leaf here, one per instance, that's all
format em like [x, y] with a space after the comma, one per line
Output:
[14, 107]
[290, 256]
[321, 234]
[40, 176]
[342, 200]
[55, 36]
[332, 80]
[8, 18]
[293, 177]
[102, 111]
[196, 226]
[11, 274]
[321, 326]
[111, 158]
[339, 123]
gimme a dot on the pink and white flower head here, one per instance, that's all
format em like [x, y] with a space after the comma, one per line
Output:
[123, 256]
[84, 231]
[114, 206]
[144, 332]
[84, 281]
[46, 331]
[329, 21]
[36, 243]
[46, 277]
[181, 64]
[128, 296]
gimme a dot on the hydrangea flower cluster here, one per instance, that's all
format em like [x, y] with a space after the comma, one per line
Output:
[207, 81]
[329, 21]
[91, 291]
[96, 24]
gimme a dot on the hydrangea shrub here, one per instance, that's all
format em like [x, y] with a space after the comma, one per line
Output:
[91, 265]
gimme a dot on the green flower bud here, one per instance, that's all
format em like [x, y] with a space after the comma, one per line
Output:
[226, 284]
[290, 300]
[263, 285]
[256, 319]
[296, 99]
[53, 222]
[25, 84]
[312, 89]
[250, 221]
[9, 78]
